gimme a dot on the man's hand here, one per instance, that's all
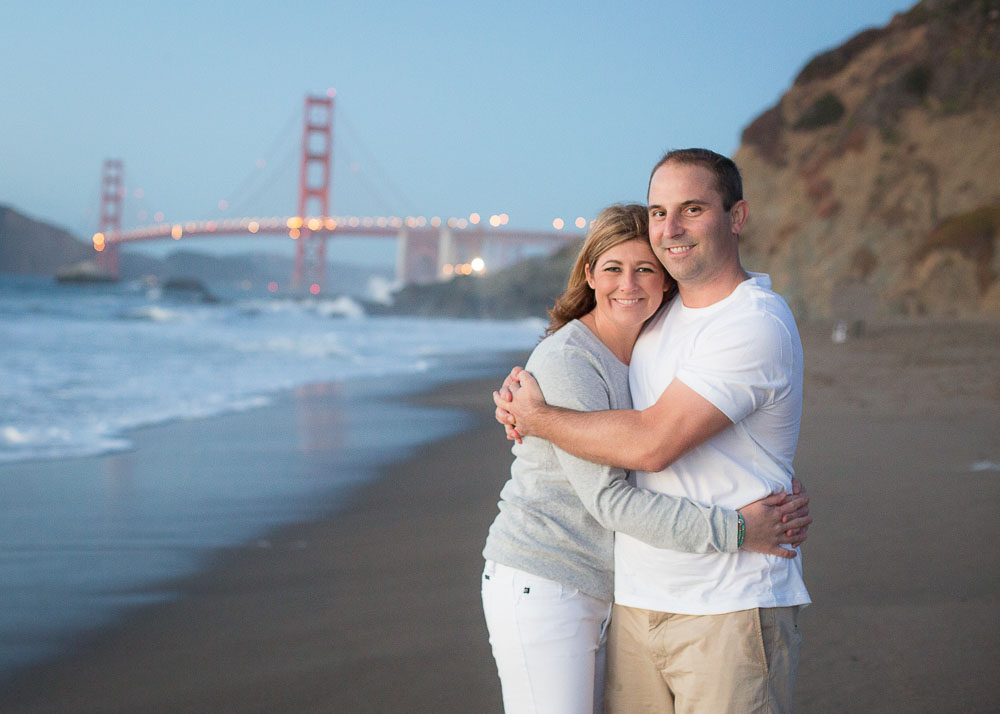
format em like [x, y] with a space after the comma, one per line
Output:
[518, 402]
[502, 399]
[776, 520]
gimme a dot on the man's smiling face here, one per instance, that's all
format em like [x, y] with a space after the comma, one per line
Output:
[694, 237]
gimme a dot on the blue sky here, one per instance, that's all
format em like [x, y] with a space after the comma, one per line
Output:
[536, 109]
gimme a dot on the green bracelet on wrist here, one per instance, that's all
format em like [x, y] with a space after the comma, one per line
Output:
[741, 531]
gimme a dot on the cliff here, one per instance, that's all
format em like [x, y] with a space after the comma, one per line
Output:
[875, 175]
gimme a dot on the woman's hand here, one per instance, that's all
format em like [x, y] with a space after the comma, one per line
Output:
[777, 520]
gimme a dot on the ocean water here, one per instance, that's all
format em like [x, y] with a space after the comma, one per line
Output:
[83, 364]
[91, 528]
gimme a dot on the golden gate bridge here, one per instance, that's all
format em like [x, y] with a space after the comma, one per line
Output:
[427, 249]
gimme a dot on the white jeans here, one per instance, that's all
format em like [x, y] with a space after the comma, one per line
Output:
[548, 640]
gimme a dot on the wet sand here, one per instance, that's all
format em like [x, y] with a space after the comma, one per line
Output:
[375, 608]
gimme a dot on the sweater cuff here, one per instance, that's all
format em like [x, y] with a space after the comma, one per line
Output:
[731, 529]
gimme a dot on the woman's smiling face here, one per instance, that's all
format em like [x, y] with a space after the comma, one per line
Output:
[628, 283]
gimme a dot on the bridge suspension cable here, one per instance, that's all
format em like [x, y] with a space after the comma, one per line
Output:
[403, 203]
[238, 197]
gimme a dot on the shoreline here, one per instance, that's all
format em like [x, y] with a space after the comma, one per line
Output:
[342, 436]
[280, 616]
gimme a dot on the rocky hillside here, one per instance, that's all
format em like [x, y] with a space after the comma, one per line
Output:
[31, 247]
[876, 177]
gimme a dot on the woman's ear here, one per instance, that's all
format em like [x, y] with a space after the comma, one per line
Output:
[590, 278]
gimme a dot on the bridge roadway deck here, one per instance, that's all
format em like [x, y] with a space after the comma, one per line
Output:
[279, 227]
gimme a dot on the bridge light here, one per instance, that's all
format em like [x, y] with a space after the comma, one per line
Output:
[503, 219]
[330, 224]
[353, 222]
[478, 265]
[581, 222]
[295, 222]
[158, 216]
[558, 224]
[447, 269]
[452, 222]
[435, 221]
[314, 289]
[293, 233]
[474, 218]
[176, 232]
[315, 224]
[462, 223]
[253, 226]
[331, 92]
[272, 287]
[495, 221]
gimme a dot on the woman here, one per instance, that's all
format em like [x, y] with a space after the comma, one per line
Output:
[548, 580]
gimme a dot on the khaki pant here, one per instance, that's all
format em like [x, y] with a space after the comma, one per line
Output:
[739, 662]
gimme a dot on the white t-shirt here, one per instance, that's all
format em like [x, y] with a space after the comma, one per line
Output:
[743, 355]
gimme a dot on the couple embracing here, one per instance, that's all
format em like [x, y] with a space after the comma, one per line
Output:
[655, 429]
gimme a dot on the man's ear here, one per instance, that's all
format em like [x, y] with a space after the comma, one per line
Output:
[739, 214]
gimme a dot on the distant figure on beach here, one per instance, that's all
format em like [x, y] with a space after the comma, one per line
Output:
[716, 382]
[548, 581]
[853, 303]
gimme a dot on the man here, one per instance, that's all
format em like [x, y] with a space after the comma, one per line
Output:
[716, 382]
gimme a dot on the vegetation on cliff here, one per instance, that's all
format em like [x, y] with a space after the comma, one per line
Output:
[527, 289]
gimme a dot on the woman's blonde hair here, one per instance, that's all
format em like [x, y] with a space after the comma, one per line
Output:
[615, 225]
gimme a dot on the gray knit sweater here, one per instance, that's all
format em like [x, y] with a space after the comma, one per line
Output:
[558, 512]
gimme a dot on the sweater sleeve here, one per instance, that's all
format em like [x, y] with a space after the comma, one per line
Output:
[573, 378]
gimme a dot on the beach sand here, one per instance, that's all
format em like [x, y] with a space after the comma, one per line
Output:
[375, 607]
